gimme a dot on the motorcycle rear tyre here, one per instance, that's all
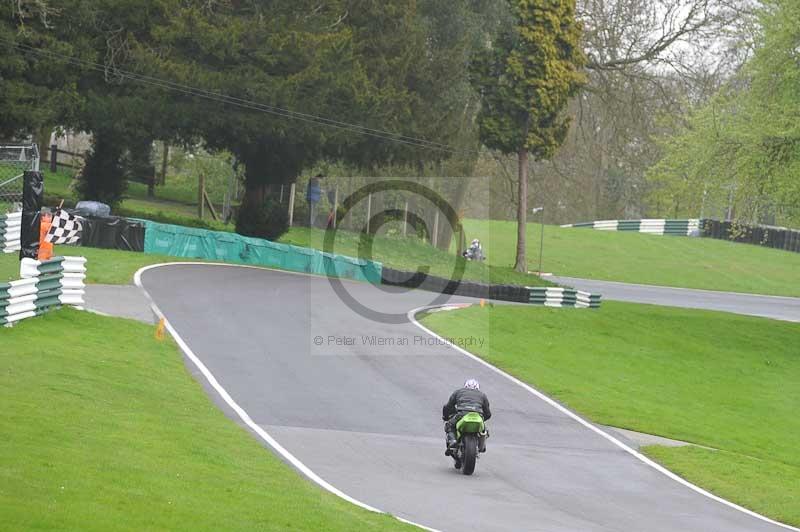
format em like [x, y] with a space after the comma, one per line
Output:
[470, 453]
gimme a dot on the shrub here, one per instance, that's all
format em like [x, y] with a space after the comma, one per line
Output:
[269, 220]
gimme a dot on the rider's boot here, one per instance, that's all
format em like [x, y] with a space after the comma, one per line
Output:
[451, 443]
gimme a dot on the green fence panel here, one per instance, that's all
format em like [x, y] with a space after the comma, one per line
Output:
[302, 260]
[264, 253]
[229, 248]
[178, 241]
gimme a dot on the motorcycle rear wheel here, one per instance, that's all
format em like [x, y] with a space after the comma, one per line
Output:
[470, 443]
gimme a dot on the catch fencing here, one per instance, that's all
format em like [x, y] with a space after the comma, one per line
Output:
[44, 285]
[563, 297]
[15, 160]
[10, 232]
[689, 227]
[179, 241]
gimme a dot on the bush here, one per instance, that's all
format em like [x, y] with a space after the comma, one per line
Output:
[269, 220]
[102, 177]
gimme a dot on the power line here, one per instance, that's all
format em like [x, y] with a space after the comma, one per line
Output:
[239, 102]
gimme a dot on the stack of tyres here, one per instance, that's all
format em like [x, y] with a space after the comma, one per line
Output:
[44, 285]
[10, 232]
[629, 225]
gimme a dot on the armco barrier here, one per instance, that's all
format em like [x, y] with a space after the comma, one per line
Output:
[563, 297]
[44, 285]
[689, 227]
[178, 241]
[431, 283]
[760, 235]
[10, 231]
[536, 295]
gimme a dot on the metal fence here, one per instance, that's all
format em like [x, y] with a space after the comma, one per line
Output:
[15, 160]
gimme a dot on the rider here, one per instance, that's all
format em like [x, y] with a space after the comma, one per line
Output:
[470, 398]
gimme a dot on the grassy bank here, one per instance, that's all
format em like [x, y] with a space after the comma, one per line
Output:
[118, 267]
[104, 429]
[105, 266]
[647, 259]
[723, 381]
[409, 254]
[136, 203]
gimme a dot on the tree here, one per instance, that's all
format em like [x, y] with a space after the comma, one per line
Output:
[738, 155]
[37, 84]
[525, 79]
[303, 69]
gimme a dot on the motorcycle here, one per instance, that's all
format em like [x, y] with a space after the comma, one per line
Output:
[471, 437]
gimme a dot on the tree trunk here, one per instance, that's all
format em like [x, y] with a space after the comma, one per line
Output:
[521, 264]
[42, 139]
[445, 231]
[255, 194]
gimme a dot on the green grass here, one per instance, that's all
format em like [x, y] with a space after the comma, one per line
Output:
[180, 189]
[104, 429]
[646, 259]
[614, 256]
[104, 266]
[720, 380]
[117, 267]
[136, 204]
[409, 254]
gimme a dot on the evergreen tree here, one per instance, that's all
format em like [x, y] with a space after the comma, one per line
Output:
[525, 79]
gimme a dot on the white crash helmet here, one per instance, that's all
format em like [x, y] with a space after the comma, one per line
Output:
[472, 384]
[476, 241]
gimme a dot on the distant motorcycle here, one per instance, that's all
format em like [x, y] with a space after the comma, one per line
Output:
[471, 437]
[474, 251]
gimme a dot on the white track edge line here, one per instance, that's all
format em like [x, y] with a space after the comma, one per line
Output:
[658, 467]
[243, 415]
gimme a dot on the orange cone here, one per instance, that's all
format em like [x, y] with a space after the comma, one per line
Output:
[160, 329]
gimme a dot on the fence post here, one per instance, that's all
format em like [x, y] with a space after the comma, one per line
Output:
[369, 209]
[405, 219]
[54, 158]
[291, 204]
[335, 204]
[435, 236]
[201, 188]
[281, 201]
[164, 163]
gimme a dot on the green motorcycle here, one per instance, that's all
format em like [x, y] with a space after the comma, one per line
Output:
[471, 437]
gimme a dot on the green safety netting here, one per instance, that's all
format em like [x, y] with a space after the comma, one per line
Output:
[178, 241]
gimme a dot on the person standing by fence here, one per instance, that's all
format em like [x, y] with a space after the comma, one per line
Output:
[313, 195]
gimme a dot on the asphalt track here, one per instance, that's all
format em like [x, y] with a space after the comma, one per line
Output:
[775, 307]
[366, 417]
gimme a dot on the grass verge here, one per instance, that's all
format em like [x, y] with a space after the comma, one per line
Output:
[646, 259]
[117, 267]
[615, 256]
[105, 266]
[104, 429]
[410, 254]
[720, 380]
[136, 204]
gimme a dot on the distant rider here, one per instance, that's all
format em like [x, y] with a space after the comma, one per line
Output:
[470, 398]
[475, 251]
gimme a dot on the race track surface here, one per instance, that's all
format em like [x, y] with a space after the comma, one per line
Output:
[775, 307]
[366, 418]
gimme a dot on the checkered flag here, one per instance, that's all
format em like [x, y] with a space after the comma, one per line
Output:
[65, 229]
